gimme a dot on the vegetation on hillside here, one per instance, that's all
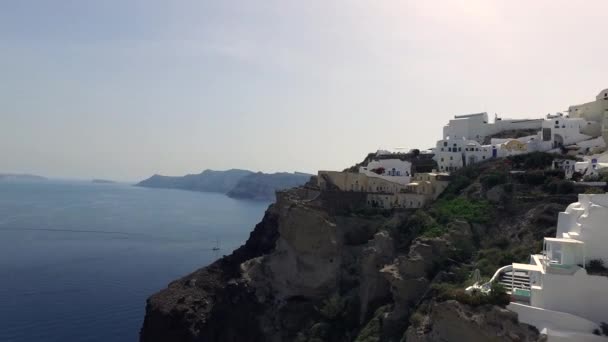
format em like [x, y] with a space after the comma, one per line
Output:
[508, 205]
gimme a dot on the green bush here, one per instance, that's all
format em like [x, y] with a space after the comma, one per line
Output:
[434, 231]
[534, 177]
[531, 161]
[492, 179]
[558, 186]
[555, 173]
[416, 319]
[596, 266]
[497, 295]
[594, 190]
[333, 307]
[421, 223]
[372, 331]
[457, 184]
[473, 211]
[591, 178]
[489, 260]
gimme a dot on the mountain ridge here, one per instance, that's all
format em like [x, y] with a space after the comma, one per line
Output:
[236, 183]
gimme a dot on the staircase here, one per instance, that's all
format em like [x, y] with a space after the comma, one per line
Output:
[517, 279]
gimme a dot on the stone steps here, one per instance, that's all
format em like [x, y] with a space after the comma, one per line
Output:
[520, 280]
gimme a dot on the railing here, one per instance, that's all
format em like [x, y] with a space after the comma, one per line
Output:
[487, 286]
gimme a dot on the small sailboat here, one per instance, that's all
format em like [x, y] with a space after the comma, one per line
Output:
[217, 245]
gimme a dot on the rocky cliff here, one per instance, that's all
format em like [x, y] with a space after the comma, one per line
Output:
[320, 267]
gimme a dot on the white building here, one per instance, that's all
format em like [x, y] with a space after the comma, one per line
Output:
[453, 154]
[591, 166]
[554, 292]
[477, 126]
[562, 131]
[596, 113]
[566, 165]
[555, 132]
[392, 170]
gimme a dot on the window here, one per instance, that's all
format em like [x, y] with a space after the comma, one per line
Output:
[556, 122]
[442, 149]
[454, 145]
[451, 158]
[484, 157]
[449, 149]
[459, 149]
[445, 143]
[442, 160]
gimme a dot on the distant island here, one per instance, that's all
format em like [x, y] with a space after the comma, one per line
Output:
[102, 181]
[21, 177]
[235, 183]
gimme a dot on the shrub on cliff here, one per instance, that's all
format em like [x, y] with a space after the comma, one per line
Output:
[531, 161]
[533, 177]
[492, 179]
[558, 186]
[597, 267]
[474, 211]
[489, 260]
[333, 308]
[497, 296]
[594, 190]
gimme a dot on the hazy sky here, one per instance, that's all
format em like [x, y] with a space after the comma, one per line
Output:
[124, 89]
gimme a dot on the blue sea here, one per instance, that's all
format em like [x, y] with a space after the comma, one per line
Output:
[78, 259]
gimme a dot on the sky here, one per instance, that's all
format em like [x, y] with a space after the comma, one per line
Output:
[123, 89]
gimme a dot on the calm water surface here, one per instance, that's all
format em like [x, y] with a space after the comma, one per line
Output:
[78, 260]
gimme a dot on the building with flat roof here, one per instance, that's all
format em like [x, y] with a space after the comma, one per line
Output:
[558, 290]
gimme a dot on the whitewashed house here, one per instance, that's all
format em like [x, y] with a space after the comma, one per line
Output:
[595, 113]
[562, 131]
[591, 166]
[392, 170]
[566, 165]
[554, 292]
[453, 154]
[477, 126]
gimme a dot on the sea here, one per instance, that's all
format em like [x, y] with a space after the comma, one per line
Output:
[78, 259]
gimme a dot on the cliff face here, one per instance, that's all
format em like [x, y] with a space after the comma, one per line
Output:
[320, 268]
[201, 306]
[453, 321]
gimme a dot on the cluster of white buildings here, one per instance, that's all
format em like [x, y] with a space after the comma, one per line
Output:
[392, 180]
[389, 181]
[555, 292]
[553, 133]
[582, 131]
